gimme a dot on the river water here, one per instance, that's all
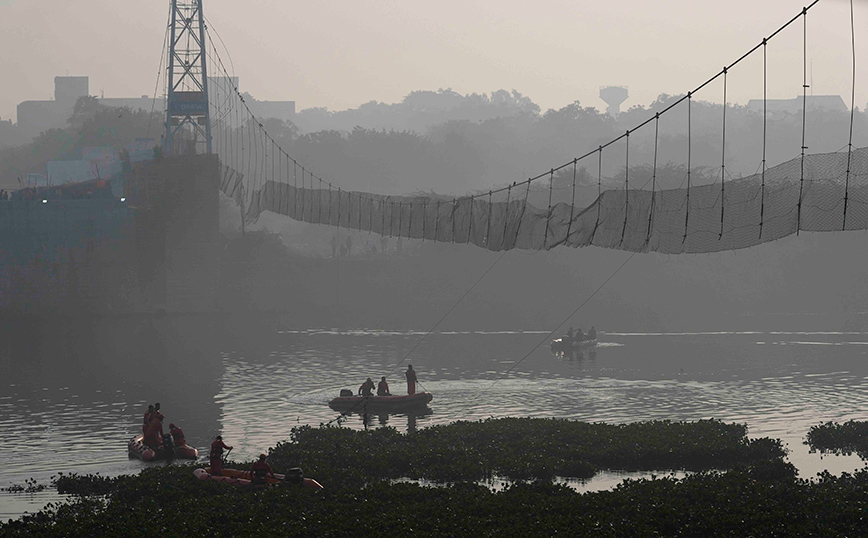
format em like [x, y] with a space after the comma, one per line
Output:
[72, 393]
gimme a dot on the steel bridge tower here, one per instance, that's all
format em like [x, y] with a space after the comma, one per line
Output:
[188, 119]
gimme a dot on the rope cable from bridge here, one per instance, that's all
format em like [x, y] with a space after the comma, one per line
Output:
[852, 112]
[427, 333]
[546, 338]
[163, 54]
[599, 191]
[626, 185]
[653, 179]
[723, 158]
[689, 164]
[765, 131]
[572, 204]
[804, 116]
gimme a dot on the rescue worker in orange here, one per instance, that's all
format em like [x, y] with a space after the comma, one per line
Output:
[383, 387]
[154, 433]
[260, 469]
[367, 388]
[177, 435]
[147, 418]
[216, 456]
[157, 411]
[411, 379]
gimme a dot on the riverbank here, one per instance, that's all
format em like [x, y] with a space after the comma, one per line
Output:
[758, 494]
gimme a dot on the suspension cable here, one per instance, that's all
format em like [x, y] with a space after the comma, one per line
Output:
[723, 159]
[804, 117]
[765, 127]
[653, 179]
[626, 187]
[689, 163]
[614, 140]
[852, 113]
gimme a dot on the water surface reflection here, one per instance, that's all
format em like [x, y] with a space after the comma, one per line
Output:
[72, 393]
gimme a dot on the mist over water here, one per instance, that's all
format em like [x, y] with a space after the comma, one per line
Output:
[254, 386]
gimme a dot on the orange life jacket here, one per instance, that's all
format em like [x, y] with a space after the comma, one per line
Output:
[217, 448]
[154, 433]
[260, 469]
[178, 436]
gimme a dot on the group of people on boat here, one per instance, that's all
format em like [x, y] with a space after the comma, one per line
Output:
[152, 429]
[367, 388]
[258, 471]
[578, 336]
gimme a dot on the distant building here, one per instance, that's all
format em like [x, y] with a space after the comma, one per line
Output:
[35, 117]
[831, 103]
[282, 110]
[10, 135]
[145, 102]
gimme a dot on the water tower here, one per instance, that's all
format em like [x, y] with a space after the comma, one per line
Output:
[613, 96]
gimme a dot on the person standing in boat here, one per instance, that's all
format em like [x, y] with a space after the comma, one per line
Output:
[383, 387]
[260, 469]
[580, 336]
[154, 433]
[216, 455]
[367, 388]
[146, 420]
[570, 334]
[411, 379]
[592, 333]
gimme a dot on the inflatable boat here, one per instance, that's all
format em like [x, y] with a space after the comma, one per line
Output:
[380, 403]
[236, 477]
[138, 449]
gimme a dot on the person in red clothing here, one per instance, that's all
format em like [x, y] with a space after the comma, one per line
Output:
[157, 412]
[383, 387]
[367, 388]
[147, 418]
[411, 379]
[154, 433]
[260, 469]
[177, 435]
[216, 457]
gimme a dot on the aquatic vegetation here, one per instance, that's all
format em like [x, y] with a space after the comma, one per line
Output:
[89, 484]
[835, 438]
[30, 486]
[759, 500]
[521, 448]
[759, 494]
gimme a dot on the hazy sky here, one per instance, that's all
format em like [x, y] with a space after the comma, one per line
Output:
[341, 53]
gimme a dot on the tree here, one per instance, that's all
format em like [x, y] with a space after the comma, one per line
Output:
[86, 107]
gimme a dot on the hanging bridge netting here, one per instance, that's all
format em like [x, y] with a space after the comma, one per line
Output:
[817, 193]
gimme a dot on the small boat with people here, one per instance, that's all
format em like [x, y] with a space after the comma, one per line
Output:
[154, 444]
[139, 449]
[562, 344]
[364, 401]
[575, 341]
[347, 401]
[237, 477]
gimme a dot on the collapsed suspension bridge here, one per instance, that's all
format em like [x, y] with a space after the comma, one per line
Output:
[811, 192]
